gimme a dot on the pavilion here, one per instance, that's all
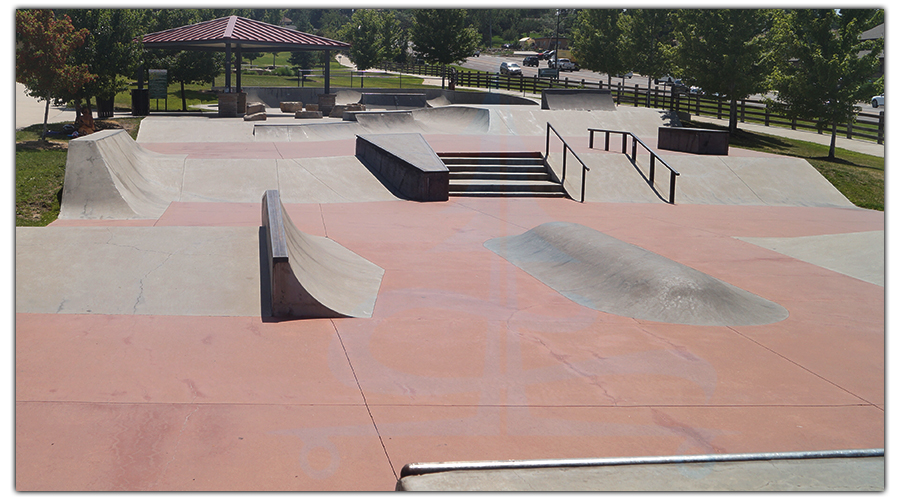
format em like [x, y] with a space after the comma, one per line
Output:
[234, 34]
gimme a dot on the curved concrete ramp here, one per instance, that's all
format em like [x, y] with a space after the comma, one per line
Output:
[110, 176]
[312, 276]
[609, 275]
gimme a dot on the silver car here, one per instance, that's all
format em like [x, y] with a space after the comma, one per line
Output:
[878, 101]
[509, 68]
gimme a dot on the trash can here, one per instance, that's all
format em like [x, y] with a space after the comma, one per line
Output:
[140, 102]
[106, 107]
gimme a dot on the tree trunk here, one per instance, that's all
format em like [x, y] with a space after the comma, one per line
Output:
[833, 140]
[46, 114]
[732, 116]
[183, 100]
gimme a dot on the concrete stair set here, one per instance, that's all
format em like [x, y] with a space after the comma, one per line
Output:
[501, 174]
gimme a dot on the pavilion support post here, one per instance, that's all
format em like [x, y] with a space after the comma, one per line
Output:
[327, 71]
[238, 65]
[227, 67]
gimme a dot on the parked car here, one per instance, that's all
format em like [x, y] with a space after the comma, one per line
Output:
[530, 61]
[666, 79]
[477, 53]
[878, 101]
[508, 68]
[626, 75]
[547, 54]
[564, 65]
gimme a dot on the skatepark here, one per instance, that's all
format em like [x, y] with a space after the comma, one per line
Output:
[522, 335]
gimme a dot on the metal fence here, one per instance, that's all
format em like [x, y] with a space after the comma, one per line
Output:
[868, 126]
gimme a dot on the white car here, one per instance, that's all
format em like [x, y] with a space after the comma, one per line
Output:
[878, 101]
[509, 68]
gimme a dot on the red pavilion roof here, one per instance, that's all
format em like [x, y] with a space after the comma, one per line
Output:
[239, 32]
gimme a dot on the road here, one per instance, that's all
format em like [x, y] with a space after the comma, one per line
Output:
[492, 64]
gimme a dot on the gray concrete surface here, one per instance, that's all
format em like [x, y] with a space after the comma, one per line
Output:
[110, 176]
[181, 271]
[609, 275]
[831, 251]
[30, 111]
[809, 475]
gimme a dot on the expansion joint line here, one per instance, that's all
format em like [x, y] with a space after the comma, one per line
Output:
[802, 367]
[365, 402]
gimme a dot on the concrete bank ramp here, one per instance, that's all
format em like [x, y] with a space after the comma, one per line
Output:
[609, 275]
[313, 276]
[110, 176]
[591, 99]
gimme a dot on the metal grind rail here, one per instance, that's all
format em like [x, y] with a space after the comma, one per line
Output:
[566, 147]
[415, 469]
[653, 156]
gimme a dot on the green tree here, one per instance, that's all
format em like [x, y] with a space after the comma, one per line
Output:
[823, 69]
[44, 46]
[190, 66]
[648, 36]
[110, 52]
[442, 36]
[365, 34]
[724, 51]
[597, 41]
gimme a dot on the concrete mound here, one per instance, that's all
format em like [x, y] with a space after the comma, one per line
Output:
[313, 276]
[609, 275]
[110, 176]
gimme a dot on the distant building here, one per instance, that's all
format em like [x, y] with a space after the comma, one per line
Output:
[549, 43]
[874, 34]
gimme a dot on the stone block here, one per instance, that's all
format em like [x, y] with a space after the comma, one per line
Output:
[308, 114]
[255, 107]
[312, 107]
[291, 106]
[255, 117]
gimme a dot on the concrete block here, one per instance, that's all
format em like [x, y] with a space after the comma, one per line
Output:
[312, 107]
[255, 117]
[255, 107]
[308, 114]
[291, 106]
[693, 140]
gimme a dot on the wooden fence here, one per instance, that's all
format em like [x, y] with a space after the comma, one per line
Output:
[868, 126]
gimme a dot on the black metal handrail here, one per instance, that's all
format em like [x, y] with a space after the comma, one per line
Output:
[566, 147]
[653, 156]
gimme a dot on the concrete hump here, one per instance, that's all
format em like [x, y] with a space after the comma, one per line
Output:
[110, 176]
[312, 276]
[591, 99]
[609, 275]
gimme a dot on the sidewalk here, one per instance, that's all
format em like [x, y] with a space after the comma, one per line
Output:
[30, 111]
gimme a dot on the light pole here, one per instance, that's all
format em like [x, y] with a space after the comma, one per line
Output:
[556, 51]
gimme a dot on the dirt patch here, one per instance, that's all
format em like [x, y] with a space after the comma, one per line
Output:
[40, 145]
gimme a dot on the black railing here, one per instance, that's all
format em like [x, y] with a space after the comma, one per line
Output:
[673, 174]
[566, 147]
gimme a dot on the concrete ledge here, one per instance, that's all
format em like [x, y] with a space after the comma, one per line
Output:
[693, 140]
[407, 163]
[290, 106]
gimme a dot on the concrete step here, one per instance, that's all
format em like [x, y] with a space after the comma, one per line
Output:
[540, 175]
[507, 186]
[471, 167]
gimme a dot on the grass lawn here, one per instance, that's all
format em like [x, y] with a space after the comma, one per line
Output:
[41, 168]
[859, 177]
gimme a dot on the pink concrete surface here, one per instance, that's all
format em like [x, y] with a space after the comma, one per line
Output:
[465, 358]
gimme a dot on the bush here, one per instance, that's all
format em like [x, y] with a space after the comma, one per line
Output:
[285, 71]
